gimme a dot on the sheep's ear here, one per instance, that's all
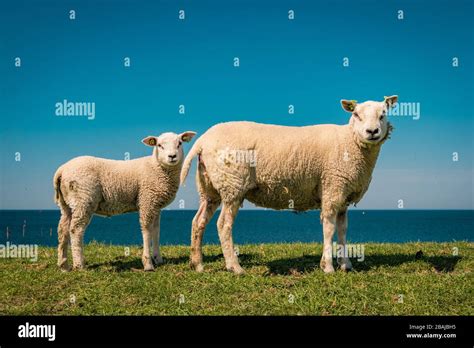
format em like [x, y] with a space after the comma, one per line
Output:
[150, 141]
[391, 101]
[187, 136]
[348, 105]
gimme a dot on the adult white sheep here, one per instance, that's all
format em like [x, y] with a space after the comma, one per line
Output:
[89, 185]
[323, 167]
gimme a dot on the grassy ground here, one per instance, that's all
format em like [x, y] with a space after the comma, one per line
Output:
[281, 279]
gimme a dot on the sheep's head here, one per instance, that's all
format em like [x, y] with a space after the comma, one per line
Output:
[369, 119]
[167, 148]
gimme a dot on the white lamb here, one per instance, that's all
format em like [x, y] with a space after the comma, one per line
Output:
[89, 185]
[323, 167]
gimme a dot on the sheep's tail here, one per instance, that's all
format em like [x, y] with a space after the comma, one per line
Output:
[195, 150]
[58, 196]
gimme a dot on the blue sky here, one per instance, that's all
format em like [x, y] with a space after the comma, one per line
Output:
[190, 62]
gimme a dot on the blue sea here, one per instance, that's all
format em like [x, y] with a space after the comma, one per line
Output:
[251, 226]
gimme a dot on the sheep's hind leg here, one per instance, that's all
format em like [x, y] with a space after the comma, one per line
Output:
[63, 238]
[224, 226]
[157, 259]
[341, 222]
[81, 218]
[206, 210]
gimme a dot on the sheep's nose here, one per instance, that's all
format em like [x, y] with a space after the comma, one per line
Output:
[172, 157]
[373, 131]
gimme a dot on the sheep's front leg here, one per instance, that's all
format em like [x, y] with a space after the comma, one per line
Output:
[224, 227]
[341, 222]
[147, 225]
[329, 227]
[156, 240]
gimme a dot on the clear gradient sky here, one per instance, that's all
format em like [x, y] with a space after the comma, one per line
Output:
[190, 62]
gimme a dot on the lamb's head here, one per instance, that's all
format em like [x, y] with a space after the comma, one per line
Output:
[167, 148]
[369, 119]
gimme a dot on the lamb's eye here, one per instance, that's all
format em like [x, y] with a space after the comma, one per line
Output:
[356, 115]
[382, 116]
[179, 144]
[160, 146]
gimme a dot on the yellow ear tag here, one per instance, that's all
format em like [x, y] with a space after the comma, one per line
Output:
[353, 104]
[152, 142]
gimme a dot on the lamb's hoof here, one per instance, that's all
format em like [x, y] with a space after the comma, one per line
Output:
[78, 267]
[346, 267]
[198, 267]
[65, 268]
[236, 269]
[149, 268]
[329, 269]
[157, 260]
[326, 267]
[345, 264]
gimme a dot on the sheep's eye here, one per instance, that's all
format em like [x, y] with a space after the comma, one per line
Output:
[382, 116]
[179, 144]
[356, 115]
[160, 146]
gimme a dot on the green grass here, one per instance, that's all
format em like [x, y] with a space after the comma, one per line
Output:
[280, 279]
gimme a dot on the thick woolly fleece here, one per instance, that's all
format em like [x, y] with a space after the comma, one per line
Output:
[322, 167]
[88, 185]
[110, 187]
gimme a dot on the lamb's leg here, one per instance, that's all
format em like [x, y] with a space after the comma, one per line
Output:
[79, 222]
[224, 226]
[206, 210]
[156, 241]
[147, 224]
[341, 222]
[63, 239]
[329, 227]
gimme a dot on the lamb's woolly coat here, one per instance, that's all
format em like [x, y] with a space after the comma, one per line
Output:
[89, 185]
[300, 168]
[111, 187]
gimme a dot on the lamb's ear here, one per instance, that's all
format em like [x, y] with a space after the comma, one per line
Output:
[150, 141]
[187, 136]
[348, 105]
[391, 101]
